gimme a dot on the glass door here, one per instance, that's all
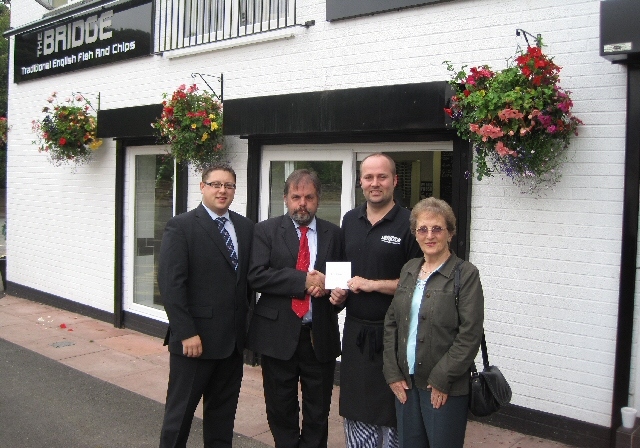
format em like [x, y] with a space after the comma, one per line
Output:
[334, 167]
[149, 204]
[424, 169]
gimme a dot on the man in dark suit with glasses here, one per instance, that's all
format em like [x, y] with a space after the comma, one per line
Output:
[202, 277]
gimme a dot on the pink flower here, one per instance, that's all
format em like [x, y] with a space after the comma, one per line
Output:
[502, 150]
[544, 120]
[50, 99]
[474, 127]
[508, 114]
[565, 106]
[490, 131]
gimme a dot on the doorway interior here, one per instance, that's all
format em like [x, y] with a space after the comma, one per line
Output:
[424, 169]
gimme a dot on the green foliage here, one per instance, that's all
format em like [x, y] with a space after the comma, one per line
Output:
[518, 119]
[5, 13]
[191, 123]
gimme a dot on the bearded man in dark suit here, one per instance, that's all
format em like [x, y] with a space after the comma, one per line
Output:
[294, 325]
[202, 277]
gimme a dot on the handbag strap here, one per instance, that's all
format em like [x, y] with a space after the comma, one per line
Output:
[485, 354]
[483, 343]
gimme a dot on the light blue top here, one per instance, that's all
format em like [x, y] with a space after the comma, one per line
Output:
[413, 322]
[416, 301]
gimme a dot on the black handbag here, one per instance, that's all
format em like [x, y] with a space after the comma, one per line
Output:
[488, 390]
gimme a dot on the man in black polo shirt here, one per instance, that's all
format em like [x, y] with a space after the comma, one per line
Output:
[378, 243]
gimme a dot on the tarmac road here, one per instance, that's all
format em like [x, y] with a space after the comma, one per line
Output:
[45, 404]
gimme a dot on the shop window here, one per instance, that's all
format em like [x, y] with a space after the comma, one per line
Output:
[149, 202]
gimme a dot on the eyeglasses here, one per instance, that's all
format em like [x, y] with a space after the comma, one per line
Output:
[227, 185]
[424, 230]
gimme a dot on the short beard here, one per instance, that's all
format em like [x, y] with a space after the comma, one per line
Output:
[302, 219]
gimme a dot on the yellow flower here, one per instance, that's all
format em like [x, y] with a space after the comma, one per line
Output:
[205, 136]
[214, 125]
[95, 144]
[193, 126]
[212, 116]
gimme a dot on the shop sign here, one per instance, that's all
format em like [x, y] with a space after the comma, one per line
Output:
[342, 9]
[110, 35]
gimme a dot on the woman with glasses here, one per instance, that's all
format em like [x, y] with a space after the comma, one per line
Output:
[431, 337]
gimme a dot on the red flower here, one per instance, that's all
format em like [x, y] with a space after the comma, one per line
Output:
[534, 51]
[466, 93]
[62, 141]
[541, 63]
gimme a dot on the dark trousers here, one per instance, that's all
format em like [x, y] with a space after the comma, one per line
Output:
[280, 380]
[422, 426]
[217, 381]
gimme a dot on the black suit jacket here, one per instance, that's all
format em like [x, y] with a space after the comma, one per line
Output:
[202, 293]
[275, 329]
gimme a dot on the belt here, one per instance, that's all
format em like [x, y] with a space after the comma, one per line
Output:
[307, 325]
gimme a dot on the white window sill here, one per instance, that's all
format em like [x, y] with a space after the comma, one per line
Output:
[266, 36]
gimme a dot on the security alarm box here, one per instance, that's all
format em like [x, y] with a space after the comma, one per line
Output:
[620, 30]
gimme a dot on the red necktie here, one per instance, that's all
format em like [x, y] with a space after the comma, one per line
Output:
[301, 306]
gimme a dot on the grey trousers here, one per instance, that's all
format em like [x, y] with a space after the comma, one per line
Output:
[422, 426]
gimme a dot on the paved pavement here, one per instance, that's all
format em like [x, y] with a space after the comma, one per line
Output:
[81, 382]
[47, 404]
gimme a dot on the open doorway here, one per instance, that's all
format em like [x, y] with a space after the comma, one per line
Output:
[421, 174]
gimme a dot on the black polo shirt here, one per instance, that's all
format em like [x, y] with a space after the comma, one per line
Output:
[376, 253]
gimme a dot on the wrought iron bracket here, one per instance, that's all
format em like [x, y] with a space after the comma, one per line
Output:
[84, 95]
[537, 37]
[220, 80]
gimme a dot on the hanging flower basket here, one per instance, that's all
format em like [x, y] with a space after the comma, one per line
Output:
[4, 128]
[191, 123]
[518, 119]
[67, 133]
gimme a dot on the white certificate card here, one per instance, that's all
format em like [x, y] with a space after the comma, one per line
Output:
[337, 275]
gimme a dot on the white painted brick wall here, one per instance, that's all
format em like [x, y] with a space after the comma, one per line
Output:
[549, 266]
[27, 12]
